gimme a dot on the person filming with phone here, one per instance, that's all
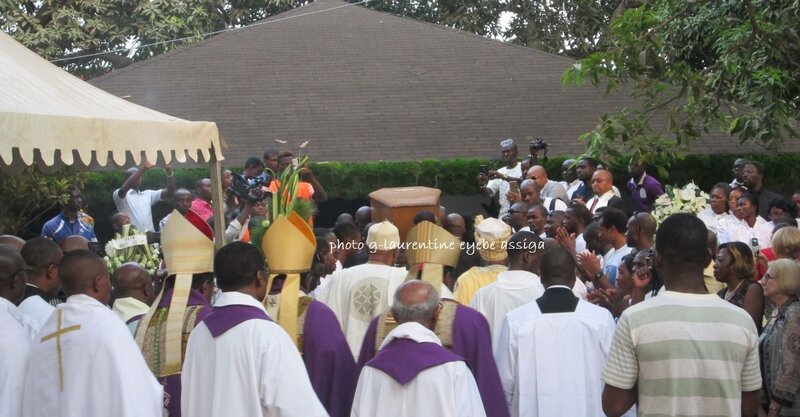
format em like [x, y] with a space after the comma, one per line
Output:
[499, 182]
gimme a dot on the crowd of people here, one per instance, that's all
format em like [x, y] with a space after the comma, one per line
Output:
[572, 301]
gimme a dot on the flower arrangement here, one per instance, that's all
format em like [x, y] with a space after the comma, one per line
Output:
[284, 200]
[689, 199]
[131, 246]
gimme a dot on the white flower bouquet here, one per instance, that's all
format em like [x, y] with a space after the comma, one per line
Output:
[689, 199]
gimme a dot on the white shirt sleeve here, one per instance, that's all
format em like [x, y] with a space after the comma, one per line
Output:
[155, 196]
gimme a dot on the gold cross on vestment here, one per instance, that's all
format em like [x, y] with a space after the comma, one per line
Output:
[57, 335]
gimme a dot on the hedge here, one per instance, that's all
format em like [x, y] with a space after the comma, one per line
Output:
[458, 176]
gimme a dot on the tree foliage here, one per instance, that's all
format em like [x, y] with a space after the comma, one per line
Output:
[68, 30]
[59, 29]
[732, 65]
[27, 196]
[566, 27]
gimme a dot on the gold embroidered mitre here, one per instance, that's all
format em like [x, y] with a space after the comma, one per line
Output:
[289, 246]
[188, 247]
[429, 248]
[491, 237]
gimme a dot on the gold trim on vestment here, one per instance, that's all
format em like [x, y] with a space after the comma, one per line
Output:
[443, 328]
[57, 335]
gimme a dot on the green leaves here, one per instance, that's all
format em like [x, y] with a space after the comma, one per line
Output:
[732, 66]
[28, 195]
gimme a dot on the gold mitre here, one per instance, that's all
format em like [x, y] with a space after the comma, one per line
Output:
[429, 248]
[289, 246]
[187, 249]
[429, 243]
[187, 242]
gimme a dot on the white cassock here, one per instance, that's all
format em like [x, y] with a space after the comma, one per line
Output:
[36, 311]
[357, 294]
[551, 364]
[511, 290]
[98, 370]
[15, 347]
[253, 369]
[446, 390]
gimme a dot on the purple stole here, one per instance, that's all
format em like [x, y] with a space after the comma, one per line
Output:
[227, 317]
[404, 359]
[328, 360]
[472, 341]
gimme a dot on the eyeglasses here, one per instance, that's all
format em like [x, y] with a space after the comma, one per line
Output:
[767, 277]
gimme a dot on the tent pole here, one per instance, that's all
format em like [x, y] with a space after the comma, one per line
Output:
[217, 201]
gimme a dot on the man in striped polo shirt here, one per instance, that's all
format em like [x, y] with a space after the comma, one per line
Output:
[684, 352]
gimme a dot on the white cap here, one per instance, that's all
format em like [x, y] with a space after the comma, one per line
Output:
[383, 236]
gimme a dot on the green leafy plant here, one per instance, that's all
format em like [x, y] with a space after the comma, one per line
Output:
[27, 196]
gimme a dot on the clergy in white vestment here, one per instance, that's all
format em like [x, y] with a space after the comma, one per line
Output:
[359, 293]
[433, 253]
[515, 287]
[84, 361]
[551, 352]
[15, 344]
[413, 375]
[42, 255]
[238, 361]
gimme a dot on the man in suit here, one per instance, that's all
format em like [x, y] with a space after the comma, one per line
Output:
[603, 189]
[550, 352]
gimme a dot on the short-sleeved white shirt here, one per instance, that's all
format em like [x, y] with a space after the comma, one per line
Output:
[138, 206]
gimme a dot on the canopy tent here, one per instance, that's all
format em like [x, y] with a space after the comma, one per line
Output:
[46, 112]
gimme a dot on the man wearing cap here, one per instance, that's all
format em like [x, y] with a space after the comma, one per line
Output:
[497, 182]
[432, 253]
[238, 361]
[359, 293]
[515, 287]
[490, 238]
[188, 246]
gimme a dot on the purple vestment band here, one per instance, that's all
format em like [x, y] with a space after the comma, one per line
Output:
[227, 317]
[404, 359]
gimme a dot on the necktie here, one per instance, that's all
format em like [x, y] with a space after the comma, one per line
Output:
[594, 204]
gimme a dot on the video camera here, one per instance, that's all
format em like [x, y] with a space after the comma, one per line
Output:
[537, 145]
[249, 188]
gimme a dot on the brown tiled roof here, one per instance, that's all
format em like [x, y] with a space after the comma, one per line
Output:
[363, 85]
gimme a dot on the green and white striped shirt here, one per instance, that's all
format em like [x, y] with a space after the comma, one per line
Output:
[690, 354]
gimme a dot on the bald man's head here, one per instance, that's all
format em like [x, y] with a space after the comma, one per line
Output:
[132, 280]
[13, 274]
[12, 241]
[416, 301]
[602, 181]
[73, 243]
[538, 174]
[83, 272]
[456, 225]
[363, 216]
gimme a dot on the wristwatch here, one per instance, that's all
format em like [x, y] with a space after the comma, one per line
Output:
[598, 275]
